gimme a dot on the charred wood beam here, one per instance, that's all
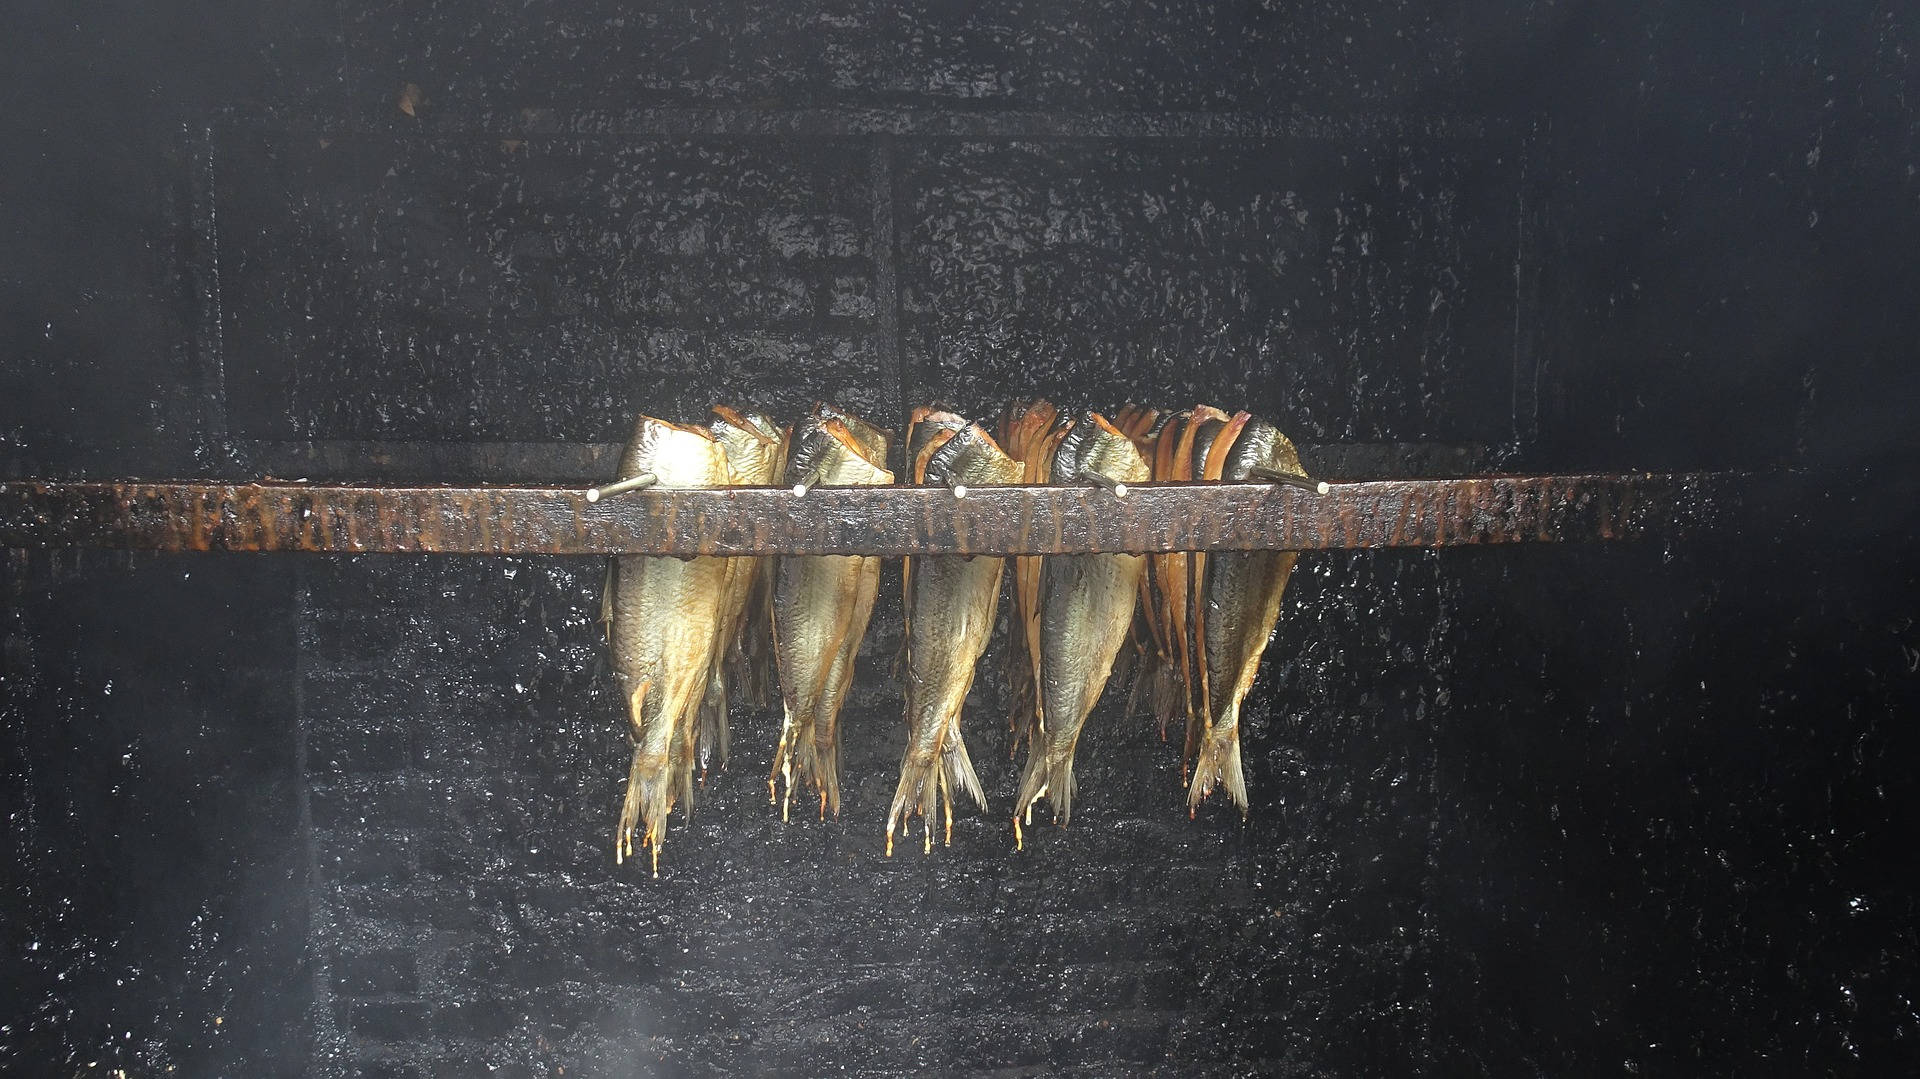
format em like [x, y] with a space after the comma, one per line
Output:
[340, 518]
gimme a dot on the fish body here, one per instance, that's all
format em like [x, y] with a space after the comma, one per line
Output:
[1086, 607]
[952, 599]
[751, 659]
[1030, 432]
[927, 431]
[1242, 595]
[821, 607]
[662, 620]
[755, 449]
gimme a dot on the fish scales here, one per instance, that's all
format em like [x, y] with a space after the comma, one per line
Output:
[663, 616]
[1243, 592]
[822, 604]
[1086, 607]
[952, 599]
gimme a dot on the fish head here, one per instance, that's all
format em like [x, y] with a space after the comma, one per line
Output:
[1092, 444]
[873, 440]
[1260, 445]
[751, 443]
[970, 456]
[833, 454]
[679, 455]
[929, 426]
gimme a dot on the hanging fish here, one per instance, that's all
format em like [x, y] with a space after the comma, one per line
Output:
[927, 430]
[952, 600]
[821, 607]
[1030, 432]
[1241, 603]
[1142, 663]
[1086, 605]
[756, 449]
[663, 616]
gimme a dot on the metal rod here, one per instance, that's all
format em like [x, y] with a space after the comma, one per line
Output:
[885, 521]
[959, 489]
[632, 483]
[1118, 488]
[811, 480]
[1274, 475]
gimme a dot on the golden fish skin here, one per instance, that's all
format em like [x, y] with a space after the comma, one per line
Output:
[953, 601]
[1030, 432]
[755, 448]
[663, 617]
[751, 659]
[821, 607]
[927, 431]
[1086, 607]
[1242, 603]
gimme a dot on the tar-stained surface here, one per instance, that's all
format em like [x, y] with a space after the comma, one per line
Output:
[892, 521]
[1519, 810]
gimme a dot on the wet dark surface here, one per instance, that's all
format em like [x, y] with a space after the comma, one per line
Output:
[1529, 810]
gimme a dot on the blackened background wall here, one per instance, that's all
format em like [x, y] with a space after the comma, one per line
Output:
[1517, 811]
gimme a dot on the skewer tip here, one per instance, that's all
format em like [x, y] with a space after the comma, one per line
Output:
[632, 483]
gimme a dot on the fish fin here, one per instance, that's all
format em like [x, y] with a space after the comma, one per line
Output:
[827, 771]
[714, 735]
[606, 600]
[958, 766]
[1047, 778]
[1166, 693]
[1218, 764]
[647, 796]
[916, 792]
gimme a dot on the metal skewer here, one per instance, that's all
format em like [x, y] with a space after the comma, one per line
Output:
[1274, 475]
[633, 483]
[959, 489]
[809, 481]
[1118, 488]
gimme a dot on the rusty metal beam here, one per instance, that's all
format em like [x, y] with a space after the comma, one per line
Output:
[343, 518]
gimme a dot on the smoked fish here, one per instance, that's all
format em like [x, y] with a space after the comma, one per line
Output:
[821, 607]
[952, 601]
[1085, 606]
[662, 620]
[1240, 604]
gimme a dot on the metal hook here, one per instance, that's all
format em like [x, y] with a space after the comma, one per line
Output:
[633, 483]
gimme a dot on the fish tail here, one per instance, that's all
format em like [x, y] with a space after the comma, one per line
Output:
[649, 799]
[915, 794]
[786, 763]
[1165, 694]
[1218, 764]
[1047, 778]
[826, 773]
[639, 773]
[958, 769]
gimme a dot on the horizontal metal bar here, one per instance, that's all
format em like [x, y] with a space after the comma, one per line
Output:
[276, 516]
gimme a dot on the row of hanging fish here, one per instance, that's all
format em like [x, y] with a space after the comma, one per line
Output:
[1189, 627]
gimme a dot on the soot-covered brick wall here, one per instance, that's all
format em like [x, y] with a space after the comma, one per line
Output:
[1515, 811]
[465, 761]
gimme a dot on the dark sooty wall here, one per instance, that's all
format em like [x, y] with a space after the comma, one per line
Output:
[1524, 811]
